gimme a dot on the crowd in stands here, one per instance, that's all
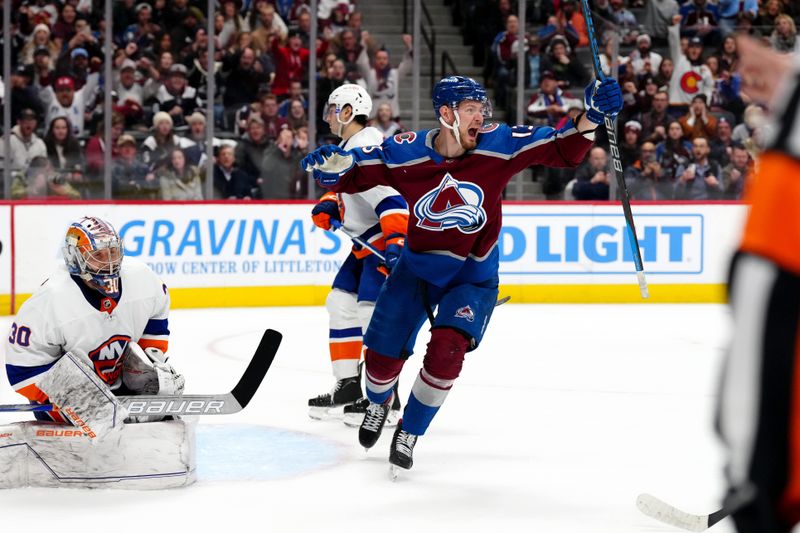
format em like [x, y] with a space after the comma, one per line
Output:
[686, 131]
[159, 89]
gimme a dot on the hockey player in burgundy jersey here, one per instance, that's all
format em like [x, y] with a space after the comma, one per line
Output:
[452, 179]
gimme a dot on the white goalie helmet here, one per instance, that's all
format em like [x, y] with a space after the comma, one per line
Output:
[93, 251]
[348, 94]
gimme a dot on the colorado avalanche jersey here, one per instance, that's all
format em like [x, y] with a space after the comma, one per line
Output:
[375, 213]
[65, 315]
[455, 204]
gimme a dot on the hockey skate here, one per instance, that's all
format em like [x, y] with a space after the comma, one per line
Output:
[354, 413]
[326, 406]
[374, 420]
[401, 454]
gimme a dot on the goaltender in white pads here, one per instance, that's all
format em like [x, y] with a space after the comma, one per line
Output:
[95, 329]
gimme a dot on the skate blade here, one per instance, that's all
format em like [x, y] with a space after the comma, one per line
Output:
[326, 413]
[394, 472]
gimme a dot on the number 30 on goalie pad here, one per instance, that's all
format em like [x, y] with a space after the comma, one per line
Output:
[155, 455]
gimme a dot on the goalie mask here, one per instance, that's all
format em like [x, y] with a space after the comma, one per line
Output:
[93, 251]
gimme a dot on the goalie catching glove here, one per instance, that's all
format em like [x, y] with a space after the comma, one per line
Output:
[147, 372]
[327, 163]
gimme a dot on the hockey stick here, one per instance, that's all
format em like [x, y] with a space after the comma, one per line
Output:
[664, 512]
[195, 404]
[358, 240]
[615, 156]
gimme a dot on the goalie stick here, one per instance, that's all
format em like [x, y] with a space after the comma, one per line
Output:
[195, 404]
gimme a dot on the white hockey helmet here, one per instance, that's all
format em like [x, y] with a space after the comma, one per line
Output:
[93, 251]
[353, 95]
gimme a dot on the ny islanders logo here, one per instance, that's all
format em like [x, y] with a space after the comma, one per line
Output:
[107, 357]
[453, 204]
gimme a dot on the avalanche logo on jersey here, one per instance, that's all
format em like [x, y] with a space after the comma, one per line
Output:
[453, 204]
[107, 356]
[466, 312]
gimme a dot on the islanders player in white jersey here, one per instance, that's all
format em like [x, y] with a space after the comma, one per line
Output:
[453, 179]
[111, 315]
[378, 216]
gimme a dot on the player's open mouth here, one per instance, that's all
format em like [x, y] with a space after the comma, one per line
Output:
[473, 132]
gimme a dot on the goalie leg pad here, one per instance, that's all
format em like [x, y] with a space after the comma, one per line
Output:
[157, 455]
[83, 398]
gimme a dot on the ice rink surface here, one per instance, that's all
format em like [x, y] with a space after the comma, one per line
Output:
[562, 416]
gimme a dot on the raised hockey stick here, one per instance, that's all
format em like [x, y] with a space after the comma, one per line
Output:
[664, 512]
[358, 240]
[195, 404]
[615, 157]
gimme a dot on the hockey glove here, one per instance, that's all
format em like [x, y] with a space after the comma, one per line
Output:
[602, 98]
[391, 255]
[328, 163]
[326, 211]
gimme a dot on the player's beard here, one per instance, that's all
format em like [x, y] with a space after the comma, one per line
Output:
[467, 141]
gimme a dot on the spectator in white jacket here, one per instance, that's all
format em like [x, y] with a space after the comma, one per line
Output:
[25, 144]
[691, 76]
[383, 80]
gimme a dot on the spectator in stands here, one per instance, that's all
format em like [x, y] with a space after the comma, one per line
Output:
[560, 60]
[607, 55]
[645, 178]
[156, 148]
[295, 93]
[130, 178]
[196, 152]
[629, 145]
[131, 95]
[533, 65]
[65, 154]
[141, 33]
[24, 143]
[753, 120]
[627, 26]
[40, 37]
[291, 63]
[658, 17]
[22, 95]
[385, 122]
[303, 23]
[768, 16]
[702, 178]
[39, 181]
[731, 12]
[42, 69]
[557, 27]
[179, 180]
[504, 58]
[550, 104]
[727, 95]
[64, 28]
[250, 149]
[691, 76]
[735, 173]
[728, 55]
[592, 177]
[297, 116]
[282, 176]
[644, 61]
[784, 36]
[655, 122]
[62, 100]
[674, 151]
[335, 78]
[230, 182]
[701, 19]
[721, 144]
[382, 79]
[175, 97]
[233, 23]
[698, 121]
[347, 47]
[95, 159]
[245, 75]
[569, 13]
[273, 124]
[665, 72]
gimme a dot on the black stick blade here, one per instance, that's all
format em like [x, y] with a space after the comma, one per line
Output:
[258, 367]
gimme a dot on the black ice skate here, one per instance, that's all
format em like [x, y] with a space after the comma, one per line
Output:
[354, 413]
[374, 420]
[345, 392]
[401, 454]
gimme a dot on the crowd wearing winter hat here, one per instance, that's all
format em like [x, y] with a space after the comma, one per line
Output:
[159, 91]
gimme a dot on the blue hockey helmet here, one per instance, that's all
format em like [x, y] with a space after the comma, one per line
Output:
[455, 89]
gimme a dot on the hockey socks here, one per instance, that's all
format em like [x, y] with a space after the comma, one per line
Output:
[381, 375]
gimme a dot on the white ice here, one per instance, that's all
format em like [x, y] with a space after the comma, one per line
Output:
[561, 417]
